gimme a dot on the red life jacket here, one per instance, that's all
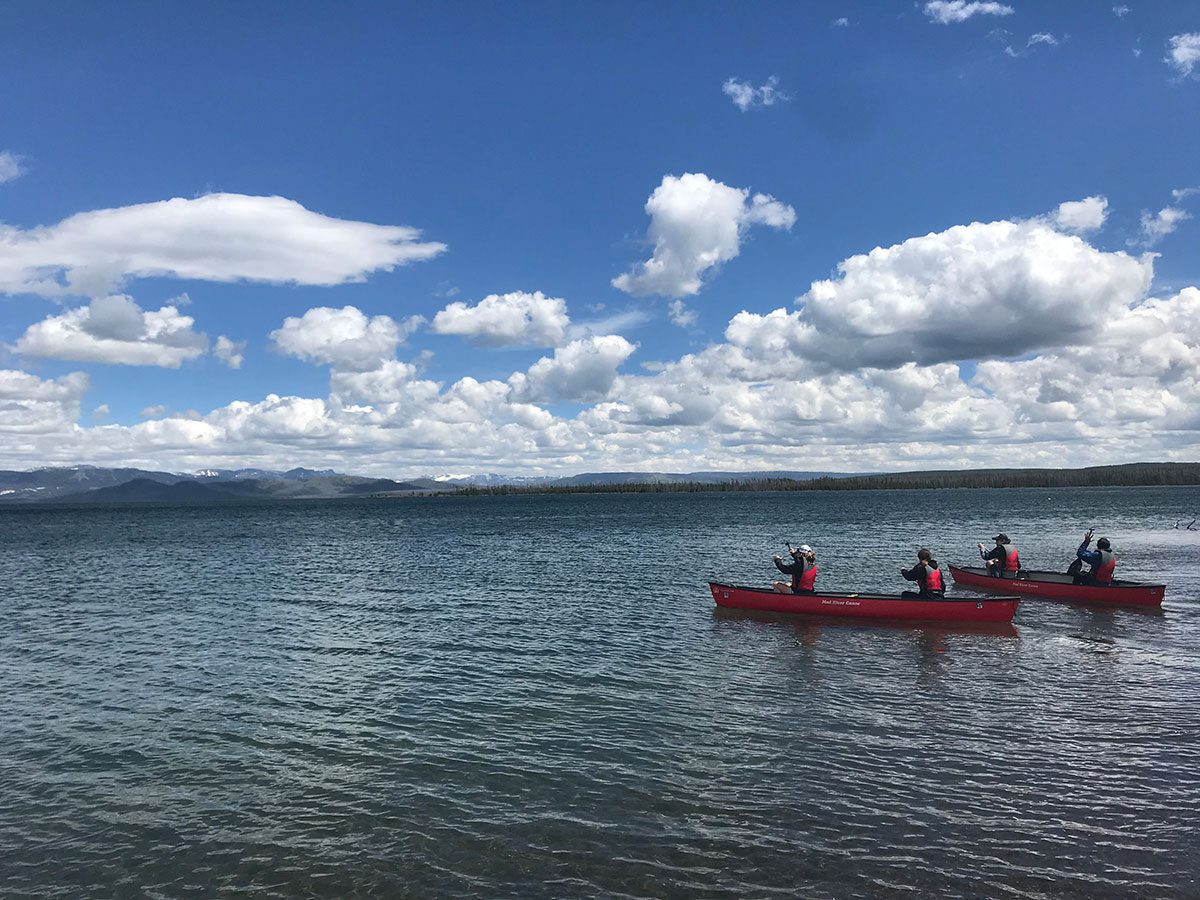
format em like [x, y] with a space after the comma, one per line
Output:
[804, 581]
[1104, 570]
[933, 579]
[1012, 561]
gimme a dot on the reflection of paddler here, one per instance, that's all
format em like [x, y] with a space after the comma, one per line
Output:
[802, 568]
[927, 574]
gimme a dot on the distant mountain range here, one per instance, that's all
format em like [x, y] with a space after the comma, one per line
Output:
[246, 474]
[145, 490]
[95, 484]
[88, 484]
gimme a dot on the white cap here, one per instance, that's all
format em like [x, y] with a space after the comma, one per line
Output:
[804, 548]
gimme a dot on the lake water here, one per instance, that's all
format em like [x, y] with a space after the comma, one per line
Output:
[535, 697]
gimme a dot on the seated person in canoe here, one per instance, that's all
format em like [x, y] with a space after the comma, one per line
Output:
[1002, 561]
[802, 568]
[928, 575]
[1101, 560]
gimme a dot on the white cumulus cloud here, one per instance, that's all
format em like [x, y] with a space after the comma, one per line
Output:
[298, 419]
[505, 319]
[393, 382]
[583, 370]
[343, 338]
[10, 166]
[978, 291]
[1156, 226]
[696, 224]
[15, 385]
[115, 330]
[217, 237]
[948, 12]
[681, 315]
[746, 96]
[1142, 373]
[30, 405]
[230, 352]
[1183, 53]
[1081, 216]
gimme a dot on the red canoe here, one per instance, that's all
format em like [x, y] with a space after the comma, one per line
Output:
[867, 606]
[1060, 586]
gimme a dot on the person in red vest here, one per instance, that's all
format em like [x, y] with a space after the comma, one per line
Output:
[927, 574]
[1003, 561]
[1102, 560]
[802, 568]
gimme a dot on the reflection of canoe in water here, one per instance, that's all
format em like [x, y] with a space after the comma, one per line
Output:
[1060, 586]
[867, 606]
[809, 629]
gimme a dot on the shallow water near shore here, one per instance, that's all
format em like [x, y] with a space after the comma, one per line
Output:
[535, 697]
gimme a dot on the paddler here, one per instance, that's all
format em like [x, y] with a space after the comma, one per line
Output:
[927, 574]
[1002, 561]
[802, 568]
[1102, 561]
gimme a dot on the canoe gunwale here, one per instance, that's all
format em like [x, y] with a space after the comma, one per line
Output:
[1117, 583]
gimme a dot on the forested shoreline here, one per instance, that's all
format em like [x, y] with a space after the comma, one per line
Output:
[1130, 475]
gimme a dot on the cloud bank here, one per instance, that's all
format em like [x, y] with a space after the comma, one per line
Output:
[1072, 359]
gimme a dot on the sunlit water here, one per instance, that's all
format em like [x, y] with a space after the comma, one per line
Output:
[535, 697]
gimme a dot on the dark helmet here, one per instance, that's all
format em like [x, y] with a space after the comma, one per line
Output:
[1102, 544]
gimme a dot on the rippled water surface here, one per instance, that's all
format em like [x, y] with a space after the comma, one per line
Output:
[535, 697]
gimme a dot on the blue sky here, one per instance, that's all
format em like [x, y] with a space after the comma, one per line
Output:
[548, 238]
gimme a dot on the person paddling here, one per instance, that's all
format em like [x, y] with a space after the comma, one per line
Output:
[802, 568]
[1102, 561]
[1002, 561]
[927, 574]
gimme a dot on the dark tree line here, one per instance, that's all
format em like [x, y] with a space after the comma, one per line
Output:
[1131, 475]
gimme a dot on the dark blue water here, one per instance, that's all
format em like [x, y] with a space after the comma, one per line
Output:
[535, 697]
